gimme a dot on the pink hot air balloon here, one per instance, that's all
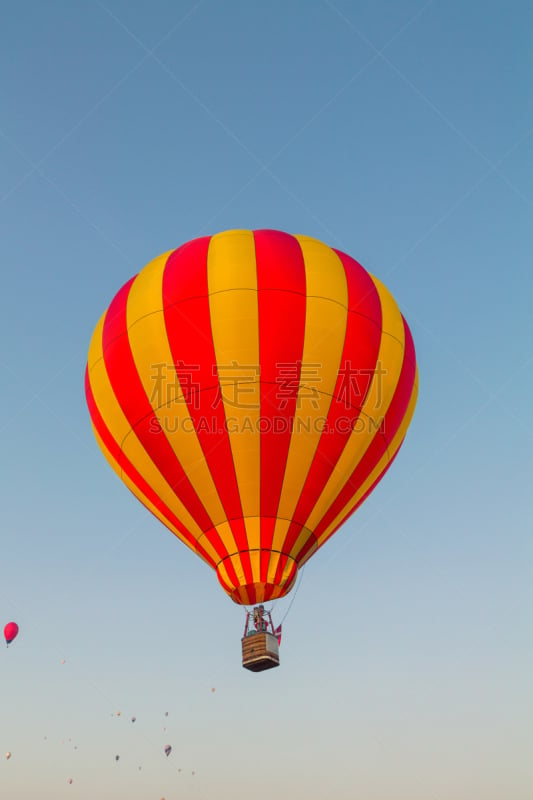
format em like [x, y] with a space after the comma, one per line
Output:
[10, 632]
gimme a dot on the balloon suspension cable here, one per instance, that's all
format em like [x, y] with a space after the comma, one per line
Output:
[294, 595]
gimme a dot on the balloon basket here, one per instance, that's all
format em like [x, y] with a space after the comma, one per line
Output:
[260, 651]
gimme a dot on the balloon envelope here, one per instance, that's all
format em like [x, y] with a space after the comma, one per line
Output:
[251, 389]
[11, 631]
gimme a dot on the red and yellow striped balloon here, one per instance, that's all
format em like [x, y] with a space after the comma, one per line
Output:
[251, 388]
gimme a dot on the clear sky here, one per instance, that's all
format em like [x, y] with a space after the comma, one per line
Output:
[400, 132]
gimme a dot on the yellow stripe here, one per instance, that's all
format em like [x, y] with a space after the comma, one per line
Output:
[376, 472]
[237, 566]
[325, 330]
[280, 529]
[375, 407]
[120, 429]
[222, 571]
[224, 531]
[155, 365]
[95, 347]
[232, 281]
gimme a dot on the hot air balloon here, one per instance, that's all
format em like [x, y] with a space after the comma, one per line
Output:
[251, 389]
[168, 750]
[8, 755]
[133, 719]
[11, 632]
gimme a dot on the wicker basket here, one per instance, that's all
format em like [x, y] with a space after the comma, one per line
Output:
[260, 651]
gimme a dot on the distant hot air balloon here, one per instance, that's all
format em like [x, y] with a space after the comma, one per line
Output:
[117, 758]
[133, 719]
[10, 632]
[251, 389]
[168, 750]
[70, 780]
[8, 755]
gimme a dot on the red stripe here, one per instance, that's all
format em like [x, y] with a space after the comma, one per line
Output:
[266, 536]
[385, 435]
[188, 324]
[281, 302]
[127, 467]
[372, 456]
[404, 389]
[312, 540]
[356, 370]
[113, 321]
[410, 354]
[132, 398]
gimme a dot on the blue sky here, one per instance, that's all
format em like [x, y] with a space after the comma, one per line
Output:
[402, 133]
